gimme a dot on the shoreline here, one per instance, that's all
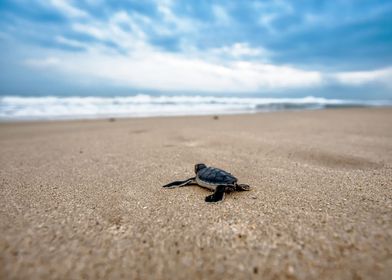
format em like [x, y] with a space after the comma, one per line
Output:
[92, 107]
[118, 118]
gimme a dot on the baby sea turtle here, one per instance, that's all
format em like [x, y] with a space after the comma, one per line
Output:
[214, 179]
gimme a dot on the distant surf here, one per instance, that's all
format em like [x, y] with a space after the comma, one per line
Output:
[76, 107]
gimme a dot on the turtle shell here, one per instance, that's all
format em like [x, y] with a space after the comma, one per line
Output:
[216, 176]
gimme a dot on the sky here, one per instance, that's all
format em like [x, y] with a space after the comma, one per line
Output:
[338, 49]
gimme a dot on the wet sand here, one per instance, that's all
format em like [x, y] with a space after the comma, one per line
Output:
[83, 199]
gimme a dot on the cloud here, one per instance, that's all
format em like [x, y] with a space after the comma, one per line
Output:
[43, 63]
[91, 30]
[221, 15]
[171, 72]
[173, 23]
[121, 30]
[68, 9]
[223, 69]
[359, 78]
[239, 50]
[70, 42]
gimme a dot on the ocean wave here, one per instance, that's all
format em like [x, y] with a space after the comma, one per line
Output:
[75, 107]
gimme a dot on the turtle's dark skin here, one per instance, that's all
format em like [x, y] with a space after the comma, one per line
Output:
[214, 179]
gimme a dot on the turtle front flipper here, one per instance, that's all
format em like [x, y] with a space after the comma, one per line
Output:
[177, 184]
[218, 195]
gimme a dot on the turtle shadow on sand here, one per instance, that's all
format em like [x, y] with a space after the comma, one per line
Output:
[213, 179]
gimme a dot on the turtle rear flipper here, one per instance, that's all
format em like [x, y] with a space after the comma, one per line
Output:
[242, 187]
[218, 195]
[177, 184]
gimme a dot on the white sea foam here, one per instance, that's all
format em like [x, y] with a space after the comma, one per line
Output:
[54, 107]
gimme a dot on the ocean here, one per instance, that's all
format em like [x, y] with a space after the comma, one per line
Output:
[142, 105]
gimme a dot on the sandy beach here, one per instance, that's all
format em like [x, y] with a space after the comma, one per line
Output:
[83, 199]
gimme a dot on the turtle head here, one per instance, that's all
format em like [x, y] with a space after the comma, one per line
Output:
[199, 167]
